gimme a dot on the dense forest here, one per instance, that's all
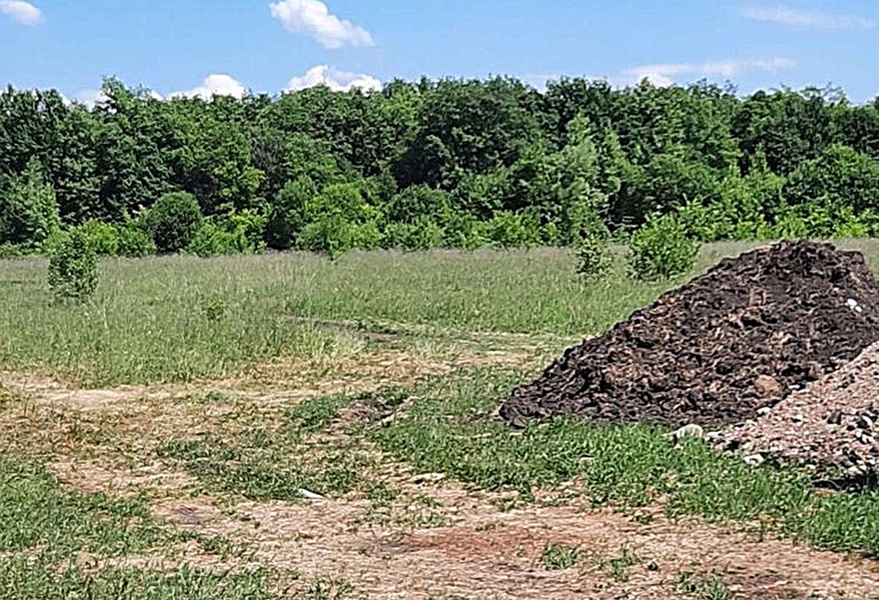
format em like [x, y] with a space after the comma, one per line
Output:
[449, 163]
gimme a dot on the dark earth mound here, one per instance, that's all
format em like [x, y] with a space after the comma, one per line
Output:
[739, 338]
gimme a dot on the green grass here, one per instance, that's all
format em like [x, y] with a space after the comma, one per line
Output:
[44, 529]
[261, 465]
[23, 579]
[183, 318]
[35, 513]
[625, 466]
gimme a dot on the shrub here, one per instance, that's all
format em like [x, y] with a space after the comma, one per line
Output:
[173, 221]
[512, 230]
[287, 216]
[462, 230]
[104, 237]
[73, 267]
[249, 228]
[335, 236]
[134, 242]
[239, 233]
[423, 234]
[661, 249]
[213, 240]
[417, 202]
[593, 256]
[12, 251]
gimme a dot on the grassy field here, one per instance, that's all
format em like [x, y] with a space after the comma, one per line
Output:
[370, 383]
[183, 318]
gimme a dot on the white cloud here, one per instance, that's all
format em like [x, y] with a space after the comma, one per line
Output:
[665, 74]
[21, 12]
[799, 18]
[314, 18]
[217, 84]
[539, 81]
[93, 97]
[90, 98]
[338, 81]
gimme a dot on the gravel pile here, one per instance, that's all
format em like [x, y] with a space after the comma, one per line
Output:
[829, 426]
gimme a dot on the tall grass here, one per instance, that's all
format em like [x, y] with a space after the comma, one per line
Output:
[182, 318]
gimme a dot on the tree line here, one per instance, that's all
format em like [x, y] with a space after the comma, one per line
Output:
[446, 163]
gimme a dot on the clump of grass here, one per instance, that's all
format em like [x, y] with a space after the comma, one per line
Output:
[24, 579]
[35, 513]
[329, 588]
[622, 564]
[557, 557]
[627, 466]
[702, 587]
[262, 464]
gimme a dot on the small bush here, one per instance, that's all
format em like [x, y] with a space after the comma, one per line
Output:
[593, 256]
[334, 236]
[12, 251]
[423, 234]
[238, 233]
[511, 230]
[134, 242]
[661, 249]
[28, 209]
[212, 240]
[104, 237]
[173, 221]
[73, 267]
[462, 230]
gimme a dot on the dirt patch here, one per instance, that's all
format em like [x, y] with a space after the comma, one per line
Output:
[92, 476]
[829, 426]
[483, 552]
[739, 338]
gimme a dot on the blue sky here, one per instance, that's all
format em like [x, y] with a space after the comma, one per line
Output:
[203, 46]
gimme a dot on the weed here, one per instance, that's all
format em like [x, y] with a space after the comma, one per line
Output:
[622, 564]
[703, 587]
[558, 557]
[329, 588]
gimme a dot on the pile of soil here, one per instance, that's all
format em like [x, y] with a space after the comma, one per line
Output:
[735, 340]
[828, 426]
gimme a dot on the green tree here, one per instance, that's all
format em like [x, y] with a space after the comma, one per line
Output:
[841, 177]
[289, 215]
[28, 210]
